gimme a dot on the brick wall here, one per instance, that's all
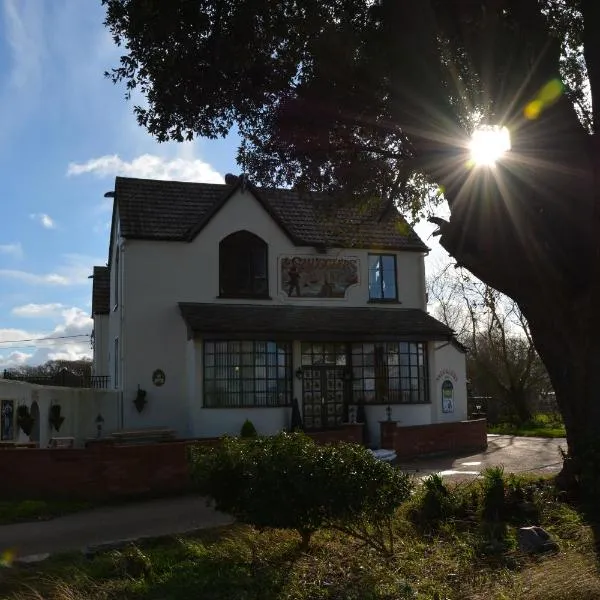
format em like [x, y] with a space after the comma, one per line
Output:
[410, 442]
[104, 471]
[351, 432]
[96, 473]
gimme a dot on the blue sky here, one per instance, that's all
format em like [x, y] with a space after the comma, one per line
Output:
[65, 132]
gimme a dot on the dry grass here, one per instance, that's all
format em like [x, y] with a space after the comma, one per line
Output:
[566, 576]
[450, 563]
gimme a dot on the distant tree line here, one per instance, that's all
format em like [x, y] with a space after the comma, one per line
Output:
[79, 368]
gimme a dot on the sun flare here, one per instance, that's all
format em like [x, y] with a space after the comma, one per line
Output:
[488, 145]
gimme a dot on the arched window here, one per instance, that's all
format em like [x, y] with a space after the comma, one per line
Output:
[243, 266]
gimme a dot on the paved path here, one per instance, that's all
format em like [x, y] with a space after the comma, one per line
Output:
[516, 454]
[103, 525]
[189, 513]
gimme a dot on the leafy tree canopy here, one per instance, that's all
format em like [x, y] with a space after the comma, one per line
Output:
[379, 97]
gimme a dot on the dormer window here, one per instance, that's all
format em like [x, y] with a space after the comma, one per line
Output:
[243, 266]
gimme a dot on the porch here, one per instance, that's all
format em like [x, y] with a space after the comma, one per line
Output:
[340, 366]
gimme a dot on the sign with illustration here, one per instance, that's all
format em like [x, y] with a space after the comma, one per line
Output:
[7, 420]
[158, 377]
[447, 374]
[447, 396]
[317, 277]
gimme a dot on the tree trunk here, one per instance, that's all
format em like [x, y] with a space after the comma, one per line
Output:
[517, 401]
[570, 349]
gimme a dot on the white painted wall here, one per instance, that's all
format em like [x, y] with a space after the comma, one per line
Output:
[79, 407]
[159, 275]
[101, 345]
[448, 362]
[116, 309]
[219, 421]
[405, 414]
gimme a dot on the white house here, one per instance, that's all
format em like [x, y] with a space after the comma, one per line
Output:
[227, 302]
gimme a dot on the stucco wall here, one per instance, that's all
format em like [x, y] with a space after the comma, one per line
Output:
[101, 345]
[159, 275]
[447, 362]
[79, 407]
[116, 309]
[405, 414]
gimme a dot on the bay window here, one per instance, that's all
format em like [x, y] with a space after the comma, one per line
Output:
[247, 373]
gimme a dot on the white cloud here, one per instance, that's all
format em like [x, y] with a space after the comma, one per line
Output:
[52, 345]
[14, 359]
[14, 250]
[37, 310]
[22, 23]
[44, 219]
[149, 166]
[34, 278]
[25, 35]
[75, 270]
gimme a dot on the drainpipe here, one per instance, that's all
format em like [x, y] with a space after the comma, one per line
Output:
[122, 345]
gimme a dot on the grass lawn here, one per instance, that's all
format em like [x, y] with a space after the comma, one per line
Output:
[451, 562]
[545, 432]
[541, 425]
[18, 511]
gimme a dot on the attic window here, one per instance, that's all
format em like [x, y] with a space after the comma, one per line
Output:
[243, 266]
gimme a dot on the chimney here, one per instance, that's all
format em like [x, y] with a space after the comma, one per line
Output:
[231, 179]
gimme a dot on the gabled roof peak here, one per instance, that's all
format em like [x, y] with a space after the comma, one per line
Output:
[174, 210]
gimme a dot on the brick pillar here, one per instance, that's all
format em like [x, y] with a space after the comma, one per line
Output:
[388, 431]
[353, 432]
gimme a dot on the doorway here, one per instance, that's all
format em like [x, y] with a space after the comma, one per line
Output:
[323, 396]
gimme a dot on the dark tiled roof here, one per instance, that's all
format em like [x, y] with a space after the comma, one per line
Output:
[310, 322]
[171, 210]
[101, 291]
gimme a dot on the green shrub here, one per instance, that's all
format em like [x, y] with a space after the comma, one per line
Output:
[435, 503]
[289, 482]
[493, 505]
[248, 430]
[131, 562]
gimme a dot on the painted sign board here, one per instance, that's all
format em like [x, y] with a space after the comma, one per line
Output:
[317, 277]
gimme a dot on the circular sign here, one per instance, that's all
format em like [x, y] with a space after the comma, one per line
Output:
[158, 377]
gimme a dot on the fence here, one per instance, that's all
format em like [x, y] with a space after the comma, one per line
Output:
[63, 379]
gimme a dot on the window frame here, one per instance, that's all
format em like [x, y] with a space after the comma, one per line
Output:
[423, 391]
[381, 298]
[248, 251]
[209, 347]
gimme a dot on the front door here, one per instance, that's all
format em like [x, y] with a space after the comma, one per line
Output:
[323, 397]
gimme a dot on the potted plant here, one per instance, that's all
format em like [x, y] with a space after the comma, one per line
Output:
[140, 399]
[24, 419]
[56, 419]
[248, 430]
[296, 424]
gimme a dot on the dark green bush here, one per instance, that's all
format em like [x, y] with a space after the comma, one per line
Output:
[493, 505]
[434, 504]
[248, 430]
[289, 482]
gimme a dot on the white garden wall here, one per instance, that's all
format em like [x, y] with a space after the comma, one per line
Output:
[79, 407]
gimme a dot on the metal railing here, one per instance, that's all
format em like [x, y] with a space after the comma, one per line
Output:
[62, 379]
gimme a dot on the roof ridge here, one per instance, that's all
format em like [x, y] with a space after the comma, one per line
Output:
[163, 210]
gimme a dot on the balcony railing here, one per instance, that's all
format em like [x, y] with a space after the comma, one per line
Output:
[63, 379]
